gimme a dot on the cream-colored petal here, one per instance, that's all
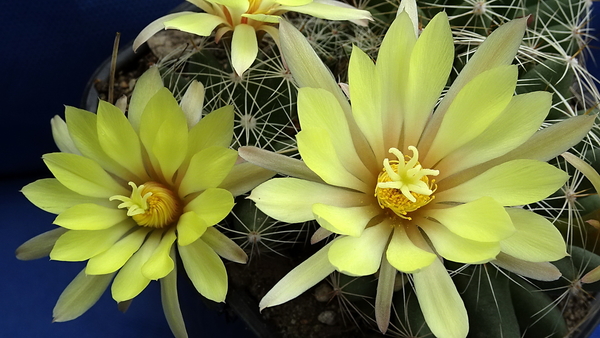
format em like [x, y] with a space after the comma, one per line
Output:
[430, 64]
[282, 164]
[89, 216]
[214, 129]
[50, 195]
[224, 246]
[82, 175]
[263, 17]
[318, 109]
[393, 68]
[475, 107]
[360, 256]
[119, 140]
[349, 221]
[293, 2]
[300, 279]
[244, 177]
[154, 27]
[482, 220]
[328, 10]
[385, 292]
[318, 152]
[291, 199]
[518, 122]
[170, 301]
[212, 205]
[587, 170]
[244, 48]
[543, 271]
[40, 245]
[458, 249]
[60, 134]
[207, 169]
[130, 281]
[79, 245]
[536, 239]
[160, 264]
[192, 103]
[80, 295]
[202, 24]
[205, 269]
[190, 227]
[405, 253]
[442, 307]
[145, 88]
[117, 255]
[512, 183]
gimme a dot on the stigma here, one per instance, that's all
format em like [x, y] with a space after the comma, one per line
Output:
[403, 185]
[151, 205]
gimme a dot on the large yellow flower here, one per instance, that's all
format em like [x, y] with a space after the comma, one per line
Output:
[407, 180]
[246, 19]
[127, 188]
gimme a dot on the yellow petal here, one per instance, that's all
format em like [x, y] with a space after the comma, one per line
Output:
[160, 264]
[117, 255]
[587, 170]
[482, 220]
[215, 129]
[346, 221]
[170, 301]
[291, 199]
[192, 103]
[189, 228]
[50, 195]
[404, 255]
[244, 48]
[282, 164]
[196, 23]
[512, 183]
[83, 292]
[205, 269]
[145, 88]
[224, 246]
[79, 245]
[244, 177]
[207, 169]
[212, 205]
[153, 28]
[442, 307]
[328, 10]
[60, 134]
[536, 239]
[360, 256]
[90, 216]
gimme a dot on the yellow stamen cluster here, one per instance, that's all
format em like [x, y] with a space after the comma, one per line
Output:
[151, 205]
[403, 185]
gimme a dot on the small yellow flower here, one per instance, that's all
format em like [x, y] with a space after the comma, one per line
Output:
[132, 190]
[408, 180]
[246, 19]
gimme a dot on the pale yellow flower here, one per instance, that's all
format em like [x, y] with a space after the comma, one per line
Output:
[131, 191]
[407, 180]
[247, 19]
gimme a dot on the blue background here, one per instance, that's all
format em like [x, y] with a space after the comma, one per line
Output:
[49, 51]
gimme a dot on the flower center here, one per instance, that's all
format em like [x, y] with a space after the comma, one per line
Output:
[403, 185]
[151, 205]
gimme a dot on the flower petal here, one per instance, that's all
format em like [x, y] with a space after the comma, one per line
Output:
[458, 249]
[212, 205]
[190, 227]
[60, 134]
[130, 281]
[83, 175]
[349, 221]
[154, 27]
[244, 177]
[543, 271]
[318, 152]
[244, 48]
[536, 239]
[587, 170]
[442, 307]
[215, 129]
[192, 103]
[83, 292]
[79, 245]
[201, 24]
[50, 195]
[300, 279]
[160, 264]
[512, 183]
[89, 216]
[224, 246]
[482, 220]
[385, 292]
[291, 199]
[279, 163]
[117, 255]
[40, 245]
[207, 169]
[205, 269]
[406, 253]
[329, 10]
[145, 88]
[170, 301]
[475, 107]
[360, 256]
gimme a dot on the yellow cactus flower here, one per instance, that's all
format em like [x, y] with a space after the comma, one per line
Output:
[132, 190]
[406, 180]
[246, 19]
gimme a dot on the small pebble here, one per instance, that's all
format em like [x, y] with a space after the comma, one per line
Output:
[327, 317]
[323, 293]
